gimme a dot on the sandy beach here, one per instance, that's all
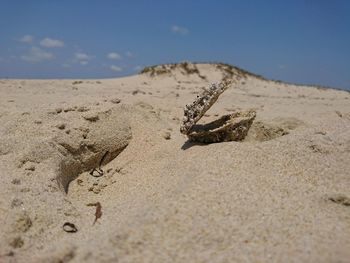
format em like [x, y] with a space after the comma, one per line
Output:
[280, 195]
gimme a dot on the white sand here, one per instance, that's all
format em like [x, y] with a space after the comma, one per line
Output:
[282, 195]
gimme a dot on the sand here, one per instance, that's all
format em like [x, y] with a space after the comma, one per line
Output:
[280, 195]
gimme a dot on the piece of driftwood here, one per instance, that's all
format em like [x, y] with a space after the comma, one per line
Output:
[98, 212]
[232, 127]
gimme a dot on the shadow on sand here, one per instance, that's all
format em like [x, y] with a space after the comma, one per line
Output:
[188, 144]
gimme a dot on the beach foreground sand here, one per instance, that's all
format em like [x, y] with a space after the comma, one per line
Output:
[281, 195]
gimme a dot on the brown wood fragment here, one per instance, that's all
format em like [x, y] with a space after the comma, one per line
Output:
[98, 212]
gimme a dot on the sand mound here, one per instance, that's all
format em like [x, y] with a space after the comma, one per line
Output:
[71, 152]
[265, 131]
[281, 194]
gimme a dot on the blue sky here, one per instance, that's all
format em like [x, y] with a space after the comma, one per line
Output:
[300, 41]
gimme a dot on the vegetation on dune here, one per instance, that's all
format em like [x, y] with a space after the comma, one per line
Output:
[233, 70]
[186, 67]
[229, 71]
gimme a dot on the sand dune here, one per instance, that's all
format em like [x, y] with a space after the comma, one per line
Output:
[280, 195]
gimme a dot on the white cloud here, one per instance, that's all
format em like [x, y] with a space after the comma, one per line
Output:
[180, 30]
[37, 55]
[27, 39]
[116, 68]
[113, 55]
[49, 42]
[82, 56]
[66, 65]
